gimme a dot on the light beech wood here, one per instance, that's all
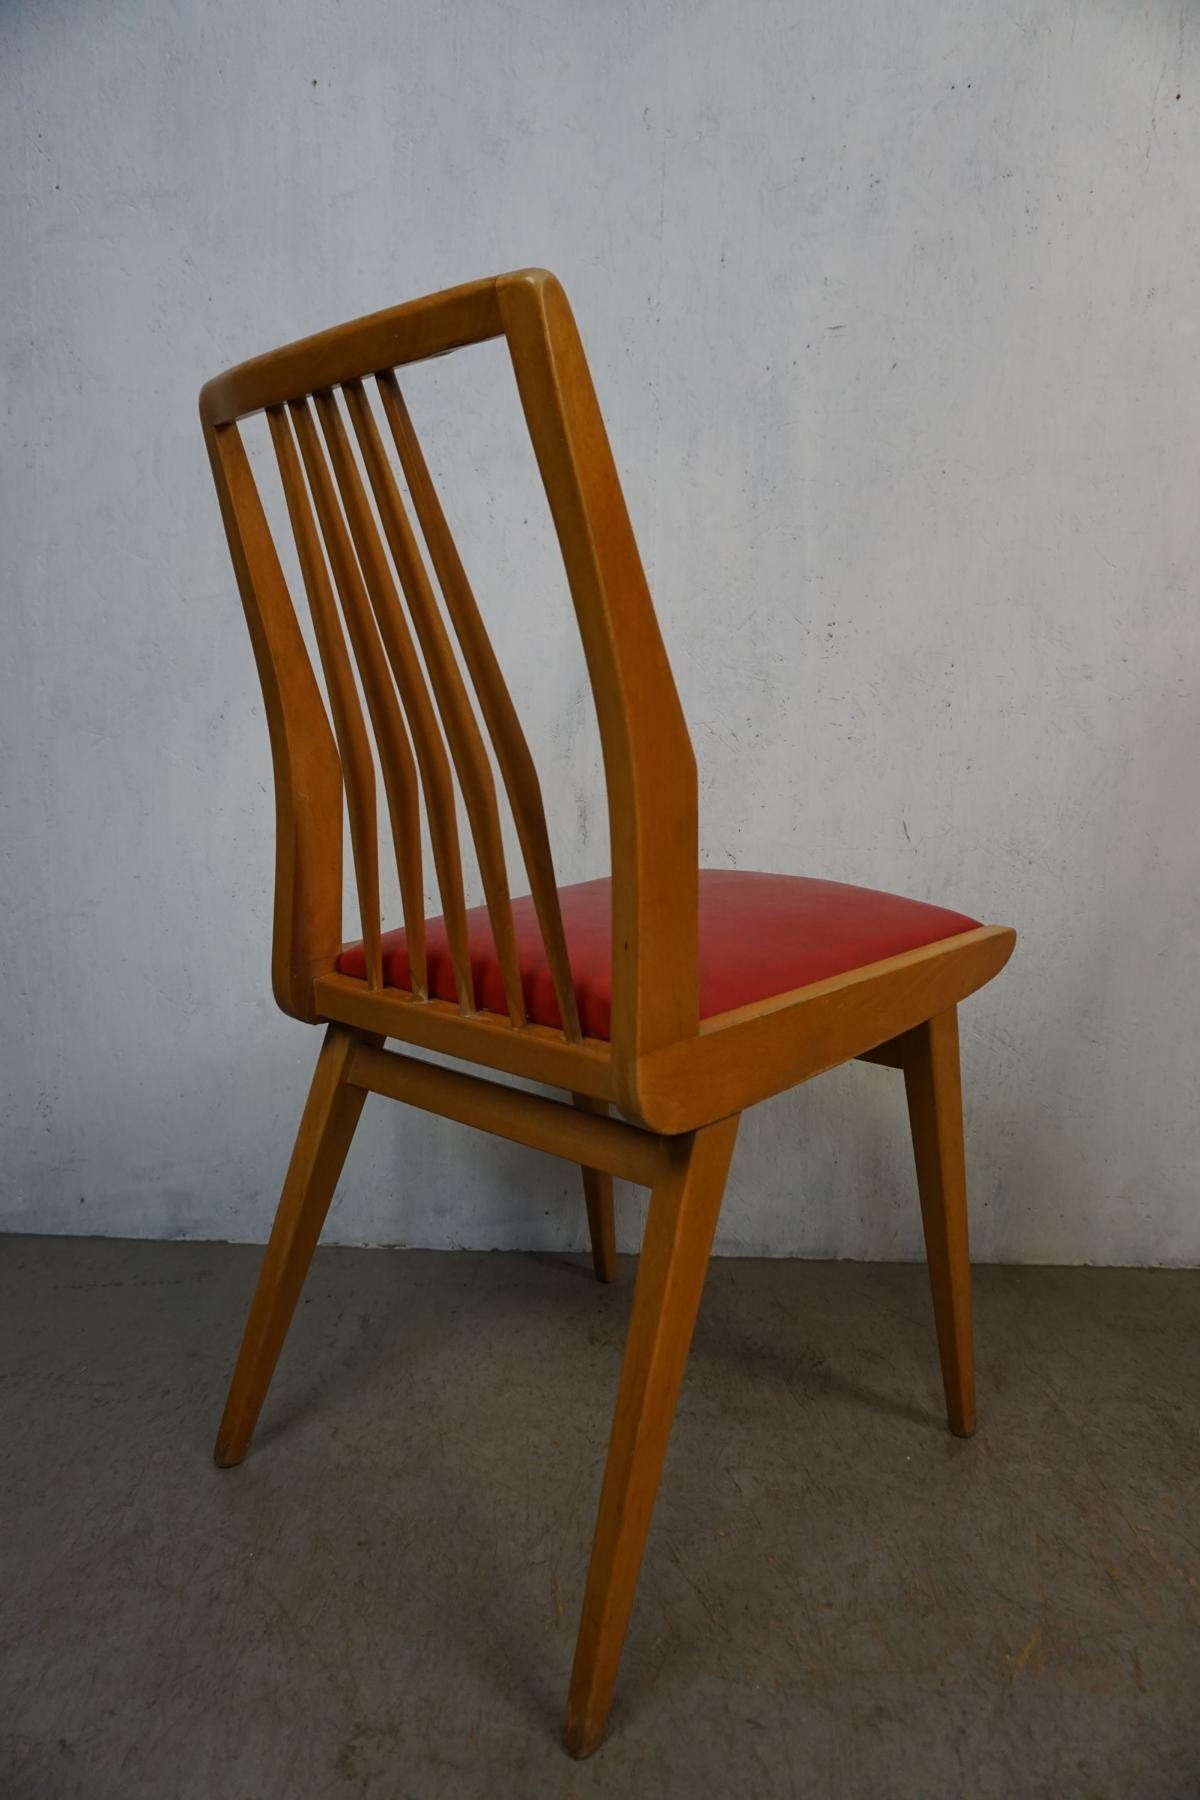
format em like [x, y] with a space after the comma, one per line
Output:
[598, 1197]
[680, 1223]
[649, 767]
[435, 768]
[462, 732]
[534, 1053]
[680, 1082]
[932, 1085]
[353, 744]
[308, 774]
[508, 1112]
[326, 1129]
[601, 1217]
[740, 1057]
[508, 739]
[431, 326]
[371, 633]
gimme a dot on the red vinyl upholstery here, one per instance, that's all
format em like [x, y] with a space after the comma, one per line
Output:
[759, 935]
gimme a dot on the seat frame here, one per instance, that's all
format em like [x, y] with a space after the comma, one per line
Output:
[679, 1083]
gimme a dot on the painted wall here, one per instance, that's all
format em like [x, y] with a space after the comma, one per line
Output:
[892, 309]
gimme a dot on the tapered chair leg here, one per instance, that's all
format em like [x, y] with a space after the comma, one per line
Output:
[598, 1195]
[679, 1231]
[933, 1086]
[331, 1113]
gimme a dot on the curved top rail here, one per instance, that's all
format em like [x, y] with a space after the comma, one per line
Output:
[431, 326]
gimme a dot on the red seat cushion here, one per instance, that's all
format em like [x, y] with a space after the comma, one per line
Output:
[759, 935]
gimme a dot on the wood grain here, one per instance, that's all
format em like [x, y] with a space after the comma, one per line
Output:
[933, 1088]
[430, 326]
[680, 1223]
[327, 1126]
[551, 1125]
[534, 1053]
[308, 775]
[354, 746]
[740, 1057]
[381, 639]
[454, 708]
[598, 1198]
[516, 764]
[681, 1082]
[649, 766]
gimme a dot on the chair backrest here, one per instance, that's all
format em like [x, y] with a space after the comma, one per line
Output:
[426, 730]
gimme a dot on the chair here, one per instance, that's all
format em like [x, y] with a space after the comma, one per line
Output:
[662, 1000]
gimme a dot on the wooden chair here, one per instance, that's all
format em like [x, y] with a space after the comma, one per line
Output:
[674, 996]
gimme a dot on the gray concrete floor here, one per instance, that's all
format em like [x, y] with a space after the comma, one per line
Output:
[839, 1598]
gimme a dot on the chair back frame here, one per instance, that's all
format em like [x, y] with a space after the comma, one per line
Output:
[319, 755]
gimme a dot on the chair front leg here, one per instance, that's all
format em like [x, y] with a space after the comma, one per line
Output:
[327, 1125]
[933, 1086]
[680, 1224]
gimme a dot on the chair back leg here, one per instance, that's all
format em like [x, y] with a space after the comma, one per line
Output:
[933, 1085]
[327, 1126]
[680, 1224]
[598, 1195]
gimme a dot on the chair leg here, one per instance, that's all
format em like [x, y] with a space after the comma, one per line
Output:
[330, 1115]
[933, 1086]
[598, 1195]
[679, 1232]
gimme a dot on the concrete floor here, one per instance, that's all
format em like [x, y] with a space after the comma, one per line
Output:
[839, 1599]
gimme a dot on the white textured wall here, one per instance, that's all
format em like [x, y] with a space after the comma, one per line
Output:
[893, 313]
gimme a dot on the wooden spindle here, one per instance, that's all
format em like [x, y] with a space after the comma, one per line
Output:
[354, 748]
[458, 717]
[500, 715]
[387, 642]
